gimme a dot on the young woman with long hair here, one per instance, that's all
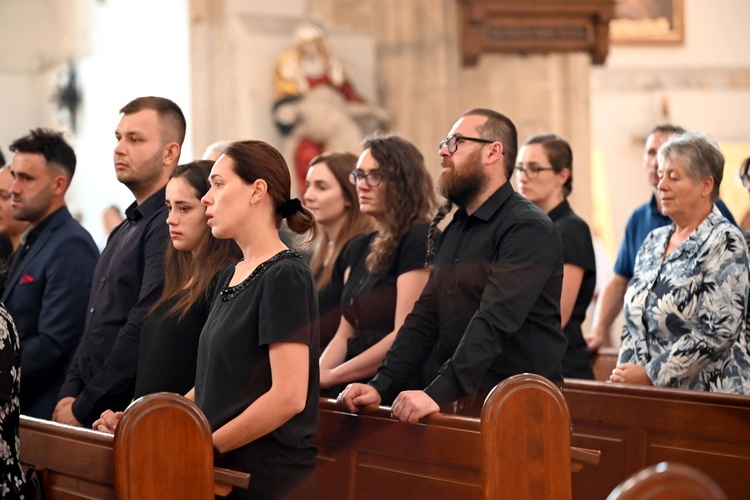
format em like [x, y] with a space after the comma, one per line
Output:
[168, 346]
[332, 199]
[386, 268]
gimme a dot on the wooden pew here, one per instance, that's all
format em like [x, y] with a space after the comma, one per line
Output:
[162, 449]
[519, 449]
[603, 362]
[636, 426]
[668, 481]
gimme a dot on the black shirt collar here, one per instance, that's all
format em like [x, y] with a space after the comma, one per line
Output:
[490, 206]
[560, 210]
[153, 203]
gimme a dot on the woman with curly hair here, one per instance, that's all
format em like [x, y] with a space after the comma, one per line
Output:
[385, 270]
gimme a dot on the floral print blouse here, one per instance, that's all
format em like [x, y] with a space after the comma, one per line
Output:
[685, 315]
[11, 476]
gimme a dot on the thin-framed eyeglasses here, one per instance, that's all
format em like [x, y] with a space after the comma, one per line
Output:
[452, 142]
[532, 171]
[373, 179]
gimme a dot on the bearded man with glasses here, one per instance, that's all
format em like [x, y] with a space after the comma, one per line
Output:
[491, 307]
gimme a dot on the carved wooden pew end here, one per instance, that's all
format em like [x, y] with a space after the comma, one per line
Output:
[667, 481]
[519, 449]
[162, 449]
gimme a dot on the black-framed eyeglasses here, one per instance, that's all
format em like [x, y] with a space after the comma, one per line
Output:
[452, 142]
[532, 171]
[373, 179]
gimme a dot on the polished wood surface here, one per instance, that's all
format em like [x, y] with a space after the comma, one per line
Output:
[668, 481]
[637, 426]
[162, 444]
[535, 26]
[520, 448]
[152, 463]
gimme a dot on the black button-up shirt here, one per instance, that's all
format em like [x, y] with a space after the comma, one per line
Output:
[492, 304]
[128, 280]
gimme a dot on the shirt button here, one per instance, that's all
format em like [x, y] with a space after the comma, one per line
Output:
[455, 261]
[92, 310]
[104, 279]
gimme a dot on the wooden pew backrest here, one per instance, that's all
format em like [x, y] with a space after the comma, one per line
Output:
[668, 481]
[151, 463]
[637, 426]
[529, 462]
[525, 428]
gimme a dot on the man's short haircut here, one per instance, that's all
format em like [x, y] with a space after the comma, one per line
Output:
[667, 128]
[170, 115]
[699, 154]
[51, 145]
[499, 127]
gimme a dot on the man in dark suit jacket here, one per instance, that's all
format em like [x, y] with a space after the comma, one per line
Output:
[50, 275]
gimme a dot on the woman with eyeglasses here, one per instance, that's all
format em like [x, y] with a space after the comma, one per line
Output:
[332, 199]
[385, 270]
[544, 173]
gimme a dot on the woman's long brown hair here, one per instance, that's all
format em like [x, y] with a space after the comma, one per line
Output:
[409, 195]
[340, 164]
[188, 275]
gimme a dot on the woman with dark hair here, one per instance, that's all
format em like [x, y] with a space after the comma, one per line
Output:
[544, 173]
[257, 375]
[168, 346]
[332, 199]
[169, 338]
[386, 269]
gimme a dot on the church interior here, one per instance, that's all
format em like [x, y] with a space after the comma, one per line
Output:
[71, 64]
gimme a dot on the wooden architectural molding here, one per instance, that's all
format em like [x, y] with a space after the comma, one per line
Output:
[535, 26]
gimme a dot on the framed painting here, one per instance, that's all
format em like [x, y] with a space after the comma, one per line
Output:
[647, 22]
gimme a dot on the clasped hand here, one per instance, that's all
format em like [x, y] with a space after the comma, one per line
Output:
[107, 421]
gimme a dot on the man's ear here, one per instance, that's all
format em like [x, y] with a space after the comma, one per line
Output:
[496, 151]
[171, 153]
[60, 184]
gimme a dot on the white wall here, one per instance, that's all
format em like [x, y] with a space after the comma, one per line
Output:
[705, 85]
[123, 49]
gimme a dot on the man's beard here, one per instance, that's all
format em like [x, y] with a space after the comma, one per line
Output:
[460, 186]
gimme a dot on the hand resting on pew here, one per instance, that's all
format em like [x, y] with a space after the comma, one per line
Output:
[108, 421]
[628, 373]
[409, 406]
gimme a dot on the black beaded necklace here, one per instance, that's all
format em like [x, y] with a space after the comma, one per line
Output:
[230, 292]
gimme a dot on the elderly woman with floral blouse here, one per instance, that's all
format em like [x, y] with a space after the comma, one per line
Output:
[686, 306]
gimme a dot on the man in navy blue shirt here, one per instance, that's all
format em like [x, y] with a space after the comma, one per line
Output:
[645, 219]
[128, 278]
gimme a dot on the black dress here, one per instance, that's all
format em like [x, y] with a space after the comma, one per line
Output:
[276, 303]
[368, 300]
[578, 250]
[168, 349]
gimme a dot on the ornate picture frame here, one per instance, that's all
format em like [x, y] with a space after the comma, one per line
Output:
[648, 22]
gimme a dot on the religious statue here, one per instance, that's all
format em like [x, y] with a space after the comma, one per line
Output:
[316, 107]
